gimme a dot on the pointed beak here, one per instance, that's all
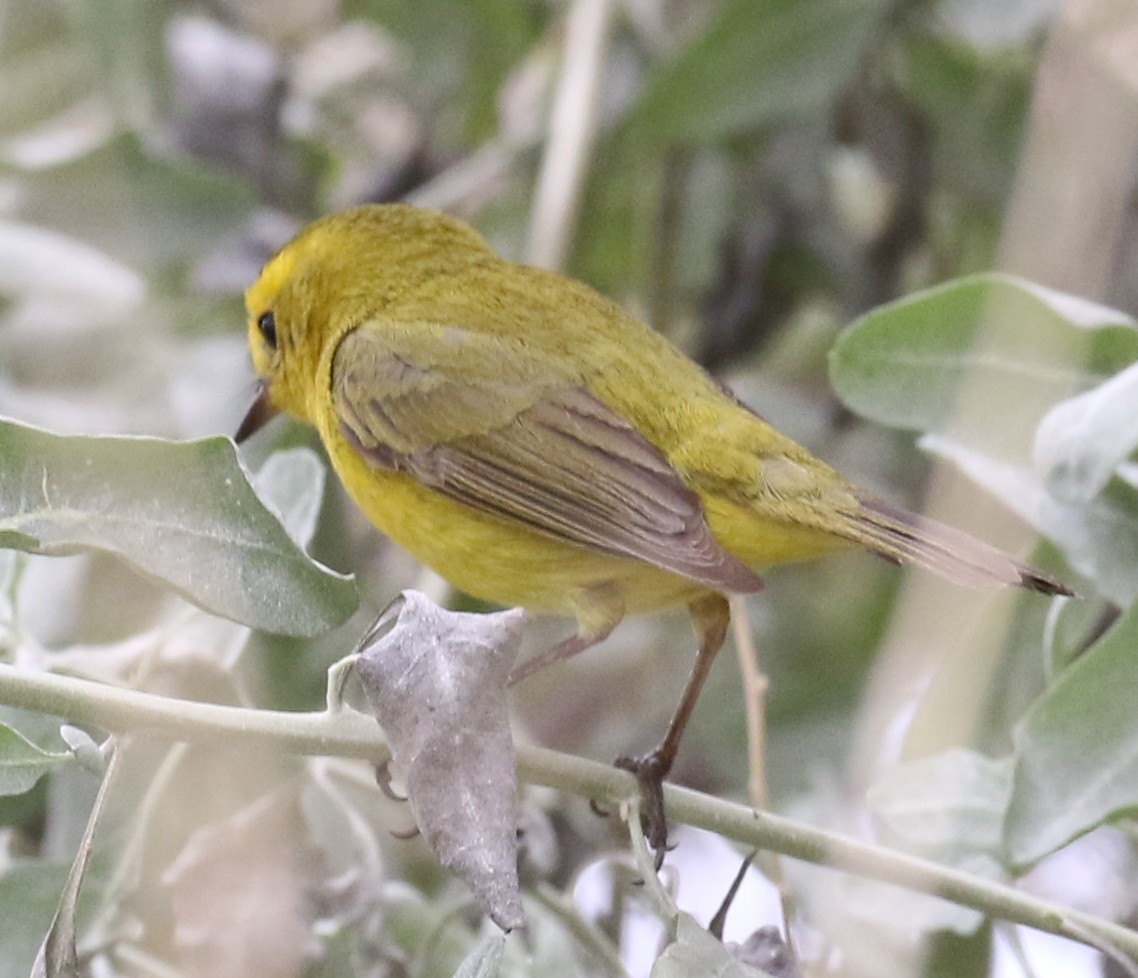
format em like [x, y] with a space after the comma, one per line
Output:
[260, 413]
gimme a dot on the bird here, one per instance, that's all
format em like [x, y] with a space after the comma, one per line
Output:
[538, 446]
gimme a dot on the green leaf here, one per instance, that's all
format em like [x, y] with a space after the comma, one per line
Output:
[1028, 348]
[291, 484]
[903, 364]
[499, 31]
[1077, 750]
[974, 106]
[22, 763]
[29, 893]
[758, 62]
[182, 513]
[951, 955]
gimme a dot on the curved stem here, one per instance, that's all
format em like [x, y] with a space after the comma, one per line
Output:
[348, 734]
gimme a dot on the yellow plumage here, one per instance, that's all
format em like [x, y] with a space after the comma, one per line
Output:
[538, 446]
[432, 287]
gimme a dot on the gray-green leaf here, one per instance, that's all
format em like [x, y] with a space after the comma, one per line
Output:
[948, 807]
[29, 895]
[1099, 538]
[182, 513]
[1081, 441]
[1077, 749]
[903, 364]
[696, 952]
[22, 763]
[485, 960]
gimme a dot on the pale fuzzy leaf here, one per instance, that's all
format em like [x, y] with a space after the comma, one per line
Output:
[239, 894]
[76, 131]
[291, 484]
[22, 763]
[84, 749]
[39, 262]
[1078, 311]
[1081, 441]
[437, 684]
[697, 952]
[948, 808]
[343, 827]
[183, 513]
[866, 920]
[1077, 749]
[485, 960]
[869, 915]
[1066, 629]
[1099, 538]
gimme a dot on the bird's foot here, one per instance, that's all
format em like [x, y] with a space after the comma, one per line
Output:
[650, 770]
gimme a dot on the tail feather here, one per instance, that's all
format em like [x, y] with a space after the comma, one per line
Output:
[905, 537]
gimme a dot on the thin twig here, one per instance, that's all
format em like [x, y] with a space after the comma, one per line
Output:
[1126, 964]
[754, 700]
[349, 734]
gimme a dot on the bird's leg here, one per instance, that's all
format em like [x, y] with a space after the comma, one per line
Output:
[599, 610]
[710, 615]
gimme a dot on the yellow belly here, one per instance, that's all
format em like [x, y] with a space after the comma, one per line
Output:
[496, 560]
[509, 564]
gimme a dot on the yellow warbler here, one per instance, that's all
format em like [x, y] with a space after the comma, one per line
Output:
[538, 446]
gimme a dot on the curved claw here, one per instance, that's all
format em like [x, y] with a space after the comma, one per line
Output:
[383, 780]
[404, 836]
[650, 770]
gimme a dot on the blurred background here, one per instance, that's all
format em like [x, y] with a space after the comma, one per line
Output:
[747, 176]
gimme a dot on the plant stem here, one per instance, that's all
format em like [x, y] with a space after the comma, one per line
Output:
[572, 127]
[348, 734]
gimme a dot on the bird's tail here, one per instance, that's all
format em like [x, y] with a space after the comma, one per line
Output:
[905, 537]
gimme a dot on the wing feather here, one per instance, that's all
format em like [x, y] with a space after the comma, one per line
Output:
[502, 436]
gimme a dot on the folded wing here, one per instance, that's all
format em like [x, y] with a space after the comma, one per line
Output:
[483, 421]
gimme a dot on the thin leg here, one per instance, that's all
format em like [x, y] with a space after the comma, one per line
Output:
[710, 615]
[599, 610]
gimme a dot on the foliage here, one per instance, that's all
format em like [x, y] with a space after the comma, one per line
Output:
[762, 172]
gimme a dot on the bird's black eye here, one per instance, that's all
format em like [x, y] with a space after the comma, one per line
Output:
[267, 324]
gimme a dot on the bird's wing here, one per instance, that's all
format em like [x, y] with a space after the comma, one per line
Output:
[485, 422]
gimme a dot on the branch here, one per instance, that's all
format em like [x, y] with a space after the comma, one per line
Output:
[348, 734]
